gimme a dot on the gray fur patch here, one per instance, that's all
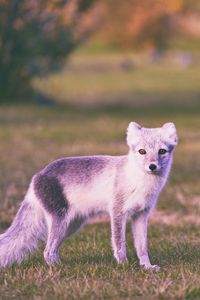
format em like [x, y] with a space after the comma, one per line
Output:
[75, 225]
[50, 192]
[76, 169]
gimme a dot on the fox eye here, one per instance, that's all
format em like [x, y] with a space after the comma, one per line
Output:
[142, 151]
[162, 151]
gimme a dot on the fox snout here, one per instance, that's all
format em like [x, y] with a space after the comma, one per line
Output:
[152, 167]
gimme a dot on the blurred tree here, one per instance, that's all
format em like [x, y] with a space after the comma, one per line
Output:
[191, 6]
[139, 23]
[36, 36]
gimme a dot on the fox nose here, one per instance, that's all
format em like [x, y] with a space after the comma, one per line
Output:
[152, 167]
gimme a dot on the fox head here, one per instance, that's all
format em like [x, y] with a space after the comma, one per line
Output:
[152, 147]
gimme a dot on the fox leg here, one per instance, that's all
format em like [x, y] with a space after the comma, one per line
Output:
[56, 234]
[49, 192]
[139, 231]
[118, 229]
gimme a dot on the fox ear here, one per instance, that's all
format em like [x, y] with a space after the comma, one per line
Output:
[170, 133]
[133, 133]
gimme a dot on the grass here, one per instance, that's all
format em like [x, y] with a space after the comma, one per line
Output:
[139, 84]
[91, 272]
[33, 135]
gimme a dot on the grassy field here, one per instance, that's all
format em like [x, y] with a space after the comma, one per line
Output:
[96, 97]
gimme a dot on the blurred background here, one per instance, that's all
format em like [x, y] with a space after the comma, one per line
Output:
[74, 73]
[92, 52]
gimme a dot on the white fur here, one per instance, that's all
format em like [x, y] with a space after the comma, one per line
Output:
[22, 237]
[125, 188]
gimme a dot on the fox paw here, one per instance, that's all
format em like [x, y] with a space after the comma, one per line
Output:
[153, 268]
[122, 260]
[52, 259]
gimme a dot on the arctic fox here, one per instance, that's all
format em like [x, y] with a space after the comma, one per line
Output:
[63, 195]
